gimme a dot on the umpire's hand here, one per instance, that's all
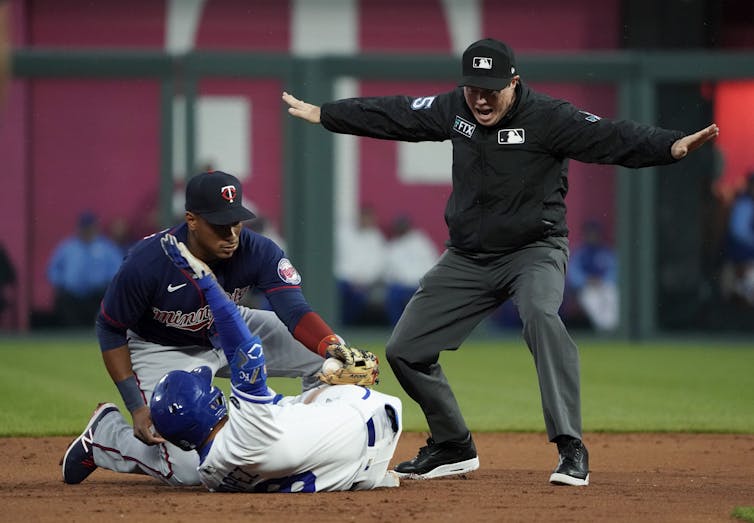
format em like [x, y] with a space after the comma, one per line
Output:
[301, 109]
[143, 428]
[685, 145]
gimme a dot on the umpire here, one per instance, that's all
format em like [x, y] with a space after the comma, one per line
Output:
[508, 236]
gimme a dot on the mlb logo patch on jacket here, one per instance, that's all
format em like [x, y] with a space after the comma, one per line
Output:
[509, 136]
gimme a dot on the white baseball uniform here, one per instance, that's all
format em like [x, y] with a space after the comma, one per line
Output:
[338, 437]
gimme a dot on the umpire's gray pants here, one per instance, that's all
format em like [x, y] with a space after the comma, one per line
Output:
[453, 297]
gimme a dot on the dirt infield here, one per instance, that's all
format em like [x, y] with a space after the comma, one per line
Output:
[635, 477]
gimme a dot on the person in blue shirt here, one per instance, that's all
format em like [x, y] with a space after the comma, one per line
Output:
[80, 269]
[740, 242]
[592, 274]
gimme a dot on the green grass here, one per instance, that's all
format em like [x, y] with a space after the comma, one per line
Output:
[50, 386]
[744, 513]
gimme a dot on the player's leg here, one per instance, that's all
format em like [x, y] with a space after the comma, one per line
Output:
[538, 294]
[285, 356]
[382, 439]
[115, 446]
[376, 414]
[453, 297]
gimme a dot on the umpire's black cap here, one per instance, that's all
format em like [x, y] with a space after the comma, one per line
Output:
[217, 197]
[488, 64]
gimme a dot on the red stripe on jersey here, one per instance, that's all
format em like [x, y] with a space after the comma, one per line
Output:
[285, 287]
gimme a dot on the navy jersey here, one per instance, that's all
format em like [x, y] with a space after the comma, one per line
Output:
[153, 298]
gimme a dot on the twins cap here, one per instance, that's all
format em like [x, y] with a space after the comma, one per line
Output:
[217, 197]
[488, 64]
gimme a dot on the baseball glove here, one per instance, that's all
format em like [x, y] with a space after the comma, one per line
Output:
[359, 367]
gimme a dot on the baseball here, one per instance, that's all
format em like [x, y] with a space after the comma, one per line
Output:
[331, 365]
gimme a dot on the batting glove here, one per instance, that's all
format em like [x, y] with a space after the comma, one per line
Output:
[187, 262]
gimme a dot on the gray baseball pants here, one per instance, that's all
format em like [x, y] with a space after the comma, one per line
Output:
[453, 298]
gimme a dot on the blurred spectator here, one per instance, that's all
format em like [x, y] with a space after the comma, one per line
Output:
[409, 254]
[592, 274]
[80, 269]
[7, 286]
[738, 278]
[359, 265]
[120, 234]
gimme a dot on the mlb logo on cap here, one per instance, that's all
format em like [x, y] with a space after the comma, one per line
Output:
[488, 64]
[482, 62]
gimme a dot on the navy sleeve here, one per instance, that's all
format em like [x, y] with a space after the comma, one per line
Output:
[280, 281]
[108, 335]
[126, 299]
[290, 305]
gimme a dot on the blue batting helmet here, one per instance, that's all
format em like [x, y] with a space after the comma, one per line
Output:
[185, 407]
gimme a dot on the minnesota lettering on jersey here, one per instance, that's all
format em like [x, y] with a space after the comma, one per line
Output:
[195, 320]
[190, 321]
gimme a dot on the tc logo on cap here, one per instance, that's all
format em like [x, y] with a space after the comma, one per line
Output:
[228, 192]
[482, 62]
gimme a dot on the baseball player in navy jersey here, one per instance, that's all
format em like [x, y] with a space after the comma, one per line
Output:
[154, 320]
[508, 237]
[329, 438]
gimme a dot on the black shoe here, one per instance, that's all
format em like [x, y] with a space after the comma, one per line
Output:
[448, 458]
[573, 466]
[78, 461]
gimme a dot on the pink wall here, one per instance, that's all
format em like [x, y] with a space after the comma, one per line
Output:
[261, 25]
[264, 188]
[70, 145]
[14, 199]
[96, 23]
[94, 145]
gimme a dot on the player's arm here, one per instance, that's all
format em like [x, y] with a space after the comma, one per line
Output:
[243, 349]
[117, 359]
[360, 367]
[118, 364]
[280, 282]
[307, 326]
[121, 305]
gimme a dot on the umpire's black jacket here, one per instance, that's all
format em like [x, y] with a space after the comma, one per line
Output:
[510, 180]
